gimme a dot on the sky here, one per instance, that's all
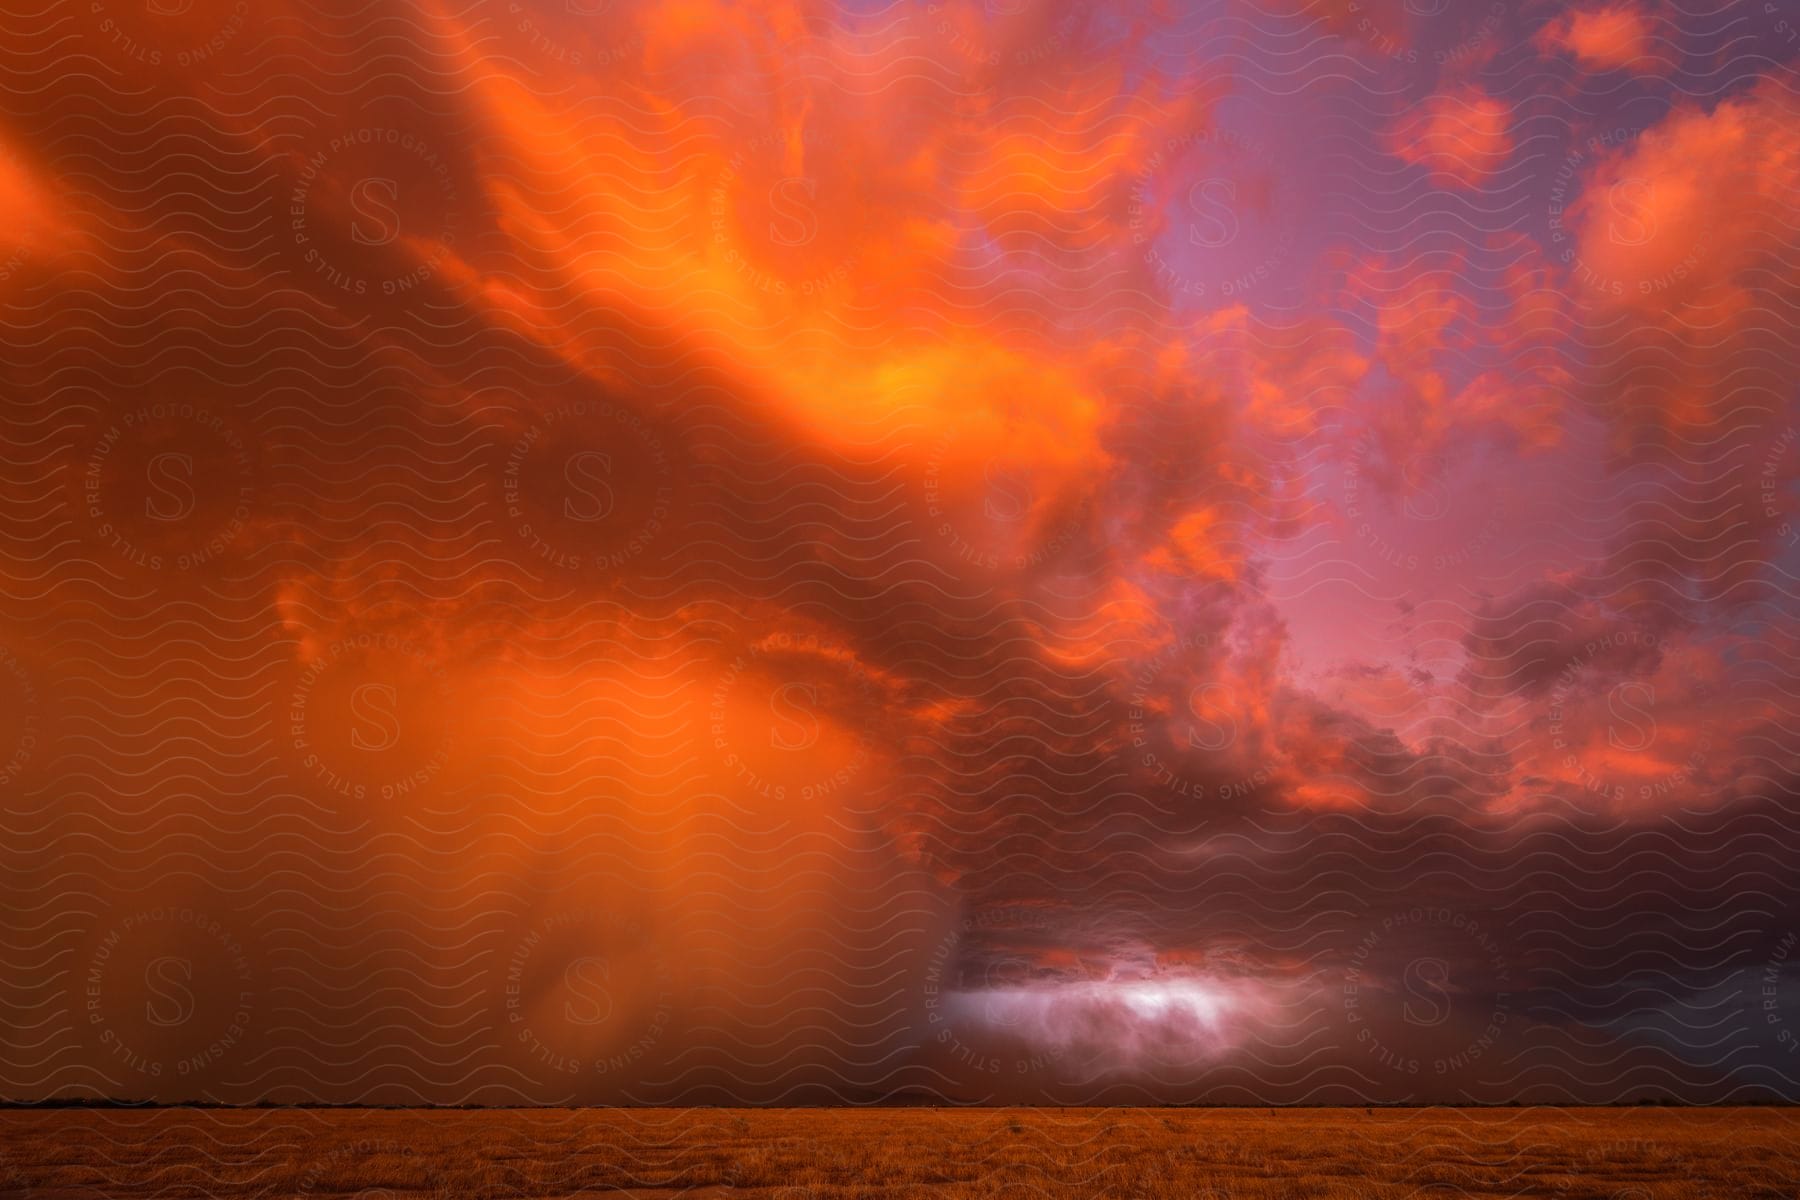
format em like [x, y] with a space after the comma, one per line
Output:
[991, 551]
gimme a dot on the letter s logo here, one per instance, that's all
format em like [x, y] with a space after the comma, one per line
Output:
[171, 478]
[1428, 984]
[1008, 494]
[591, 498]
[795, 727]
[376, 708]
[1629, 702]
[1428, 499]
[1213, 727]
[1214, 202]
[172, 1002]
[1006, 979]
[589, 1000]
[1630, 200]
[375, 201]
[803, 224]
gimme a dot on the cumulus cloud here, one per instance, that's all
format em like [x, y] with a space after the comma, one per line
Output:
[1607, 38]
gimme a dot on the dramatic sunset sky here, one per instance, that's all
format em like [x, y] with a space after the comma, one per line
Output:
[691, 552]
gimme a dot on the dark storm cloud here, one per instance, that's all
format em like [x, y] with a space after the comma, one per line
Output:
[551, 564]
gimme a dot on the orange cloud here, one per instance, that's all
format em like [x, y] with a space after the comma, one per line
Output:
[37, 220]
[1461, 138]
[1676, 214]
[1615, 37]
[1678, 250]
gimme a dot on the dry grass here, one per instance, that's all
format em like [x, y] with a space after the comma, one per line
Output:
[905, 1154]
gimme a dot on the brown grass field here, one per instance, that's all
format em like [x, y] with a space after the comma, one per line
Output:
[902, 1154]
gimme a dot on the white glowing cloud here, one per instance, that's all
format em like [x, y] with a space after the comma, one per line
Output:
[1168, 1018]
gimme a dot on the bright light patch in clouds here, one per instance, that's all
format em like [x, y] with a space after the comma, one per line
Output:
[1138, 1019]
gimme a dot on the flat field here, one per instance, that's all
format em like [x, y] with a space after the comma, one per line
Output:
[902, 1154]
